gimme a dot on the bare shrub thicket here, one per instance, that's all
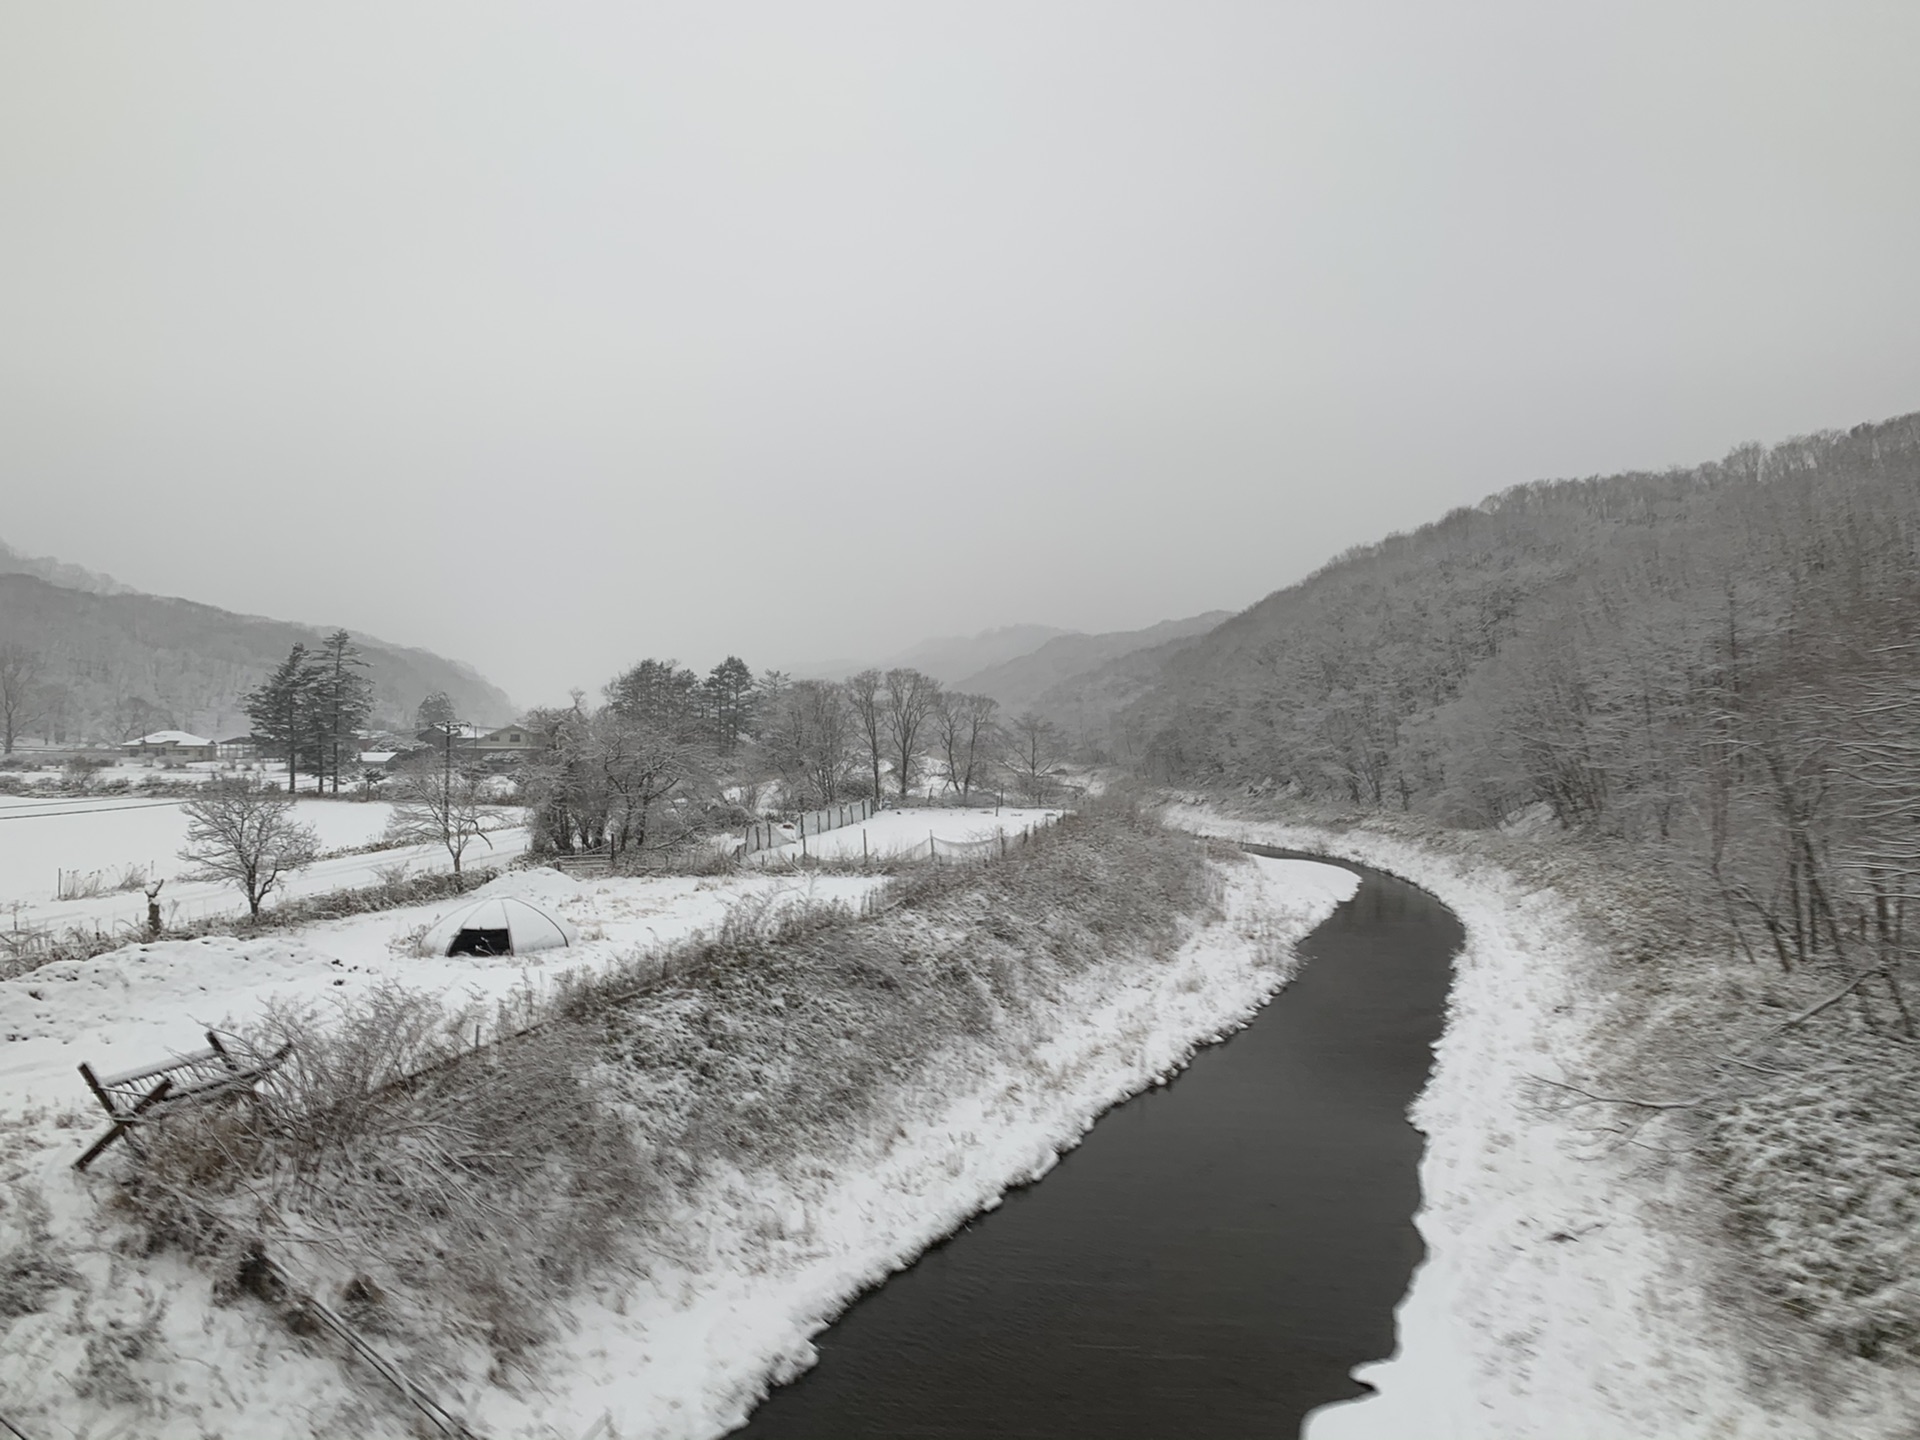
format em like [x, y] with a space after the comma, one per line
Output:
[454, 1194]
[472, 1186]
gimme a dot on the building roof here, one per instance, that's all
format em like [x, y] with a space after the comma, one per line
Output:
[170, 737]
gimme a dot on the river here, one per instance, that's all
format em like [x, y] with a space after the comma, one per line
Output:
[1211, 1261]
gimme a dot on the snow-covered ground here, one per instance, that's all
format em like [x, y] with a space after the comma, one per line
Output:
[141, 772]
[1562, 1297]
[743, 1277]
[893, 833]
[145, 1002]
[41, 836]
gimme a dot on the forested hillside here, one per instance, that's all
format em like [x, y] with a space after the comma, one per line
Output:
[1711, 679]
[115, 665]
[1725, 650]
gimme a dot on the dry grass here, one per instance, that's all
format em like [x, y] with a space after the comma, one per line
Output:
[454, 1192]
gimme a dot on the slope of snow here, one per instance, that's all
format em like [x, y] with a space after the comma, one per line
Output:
[1562, 1297]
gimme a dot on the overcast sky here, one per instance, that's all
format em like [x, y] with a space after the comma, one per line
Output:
[552, 336]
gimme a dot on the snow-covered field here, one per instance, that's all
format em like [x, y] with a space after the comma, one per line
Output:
[144, 1002]
[893, 833]
[1563, 1297]
[756, 1264]
[41, 836]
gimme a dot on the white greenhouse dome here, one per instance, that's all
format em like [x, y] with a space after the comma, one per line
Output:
[501, 925]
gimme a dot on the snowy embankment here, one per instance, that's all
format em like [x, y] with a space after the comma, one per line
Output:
[770, 1232]
[142, 1345]
[763, 1261]
[1565, 1294]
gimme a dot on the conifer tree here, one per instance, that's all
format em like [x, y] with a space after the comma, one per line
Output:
[281, 709]
[343, 699]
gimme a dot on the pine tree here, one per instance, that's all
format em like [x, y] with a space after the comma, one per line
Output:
[343, 699]
[436, 712]
[281, 710]
[730, 694]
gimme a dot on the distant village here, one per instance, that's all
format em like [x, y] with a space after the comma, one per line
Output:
[474, 746]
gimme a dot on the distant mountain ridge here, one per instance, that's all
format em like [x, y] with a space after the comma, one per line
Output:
[1068, 676]
[1021, 682]
[948, 658]
[115, 662]
[58, 572]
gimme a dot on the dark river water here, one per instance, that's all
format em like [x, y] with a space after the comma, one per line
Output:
[1210, 1262]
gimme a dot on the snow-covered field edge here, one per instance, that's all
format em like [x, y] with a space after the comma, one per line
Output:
[1569, 1290]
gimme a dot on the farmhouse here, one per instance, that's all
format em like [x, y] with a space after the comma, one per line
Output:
[469, 743]
[170, 745]
[507, 740]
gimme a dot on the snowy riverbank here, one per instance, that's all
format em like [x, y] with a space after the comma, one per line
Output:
[725, 1288]
[771, 1258]
[1564, 1296]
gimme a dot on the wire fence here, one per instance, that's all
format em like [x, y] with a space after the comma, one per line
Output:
[768, 835]
[936, 849]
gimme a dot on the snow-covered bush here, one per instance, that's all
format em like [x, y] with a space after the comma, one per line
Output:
[1819, 1167]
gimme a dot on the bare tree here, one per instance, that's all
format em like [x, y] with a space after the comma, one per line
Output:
[562, 783]
[639, 769]
[965, 731]
[247, 834]
[440, 807]
[809, 739]
[870, 717]
[1034, 751]
[910, 698]
[19, 689]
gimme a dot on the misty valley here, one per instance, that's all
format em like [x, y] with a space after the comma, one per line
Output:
[959, 721]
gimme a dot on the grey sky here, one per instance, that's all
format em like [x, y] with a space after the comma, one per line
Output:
[551, 336]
